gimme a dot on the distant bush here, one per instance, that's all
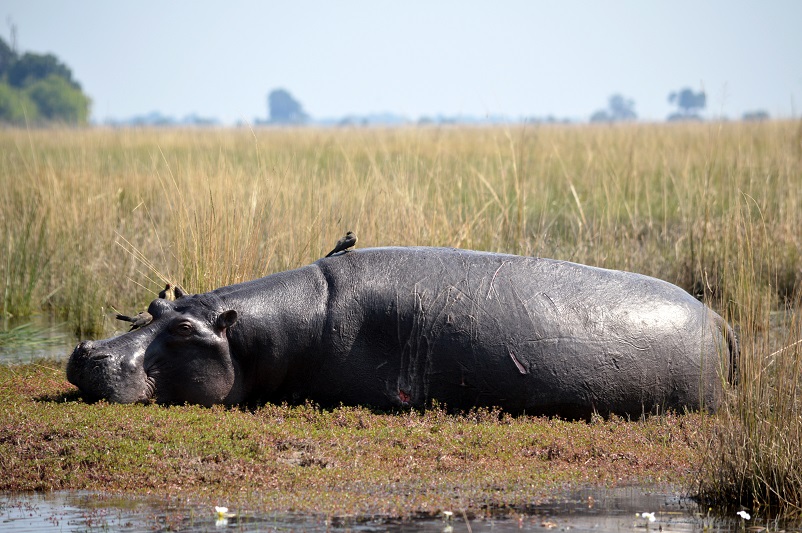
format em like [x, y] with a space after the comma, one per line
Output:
[16, 106]
[37, 88]
[689, 104]
[619, 109]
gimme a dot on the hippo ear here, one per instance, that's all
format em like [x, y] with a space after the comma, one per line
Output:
[226, 319]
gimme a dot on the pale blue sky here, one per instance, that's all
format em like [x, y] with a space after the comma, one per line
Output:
[518, 58]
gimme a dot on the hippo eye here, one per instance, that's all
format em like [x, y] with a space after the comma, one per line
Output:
[183, 328]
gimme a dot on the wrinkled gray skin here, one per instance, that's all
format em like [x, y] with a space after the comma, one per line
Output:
[395, 327]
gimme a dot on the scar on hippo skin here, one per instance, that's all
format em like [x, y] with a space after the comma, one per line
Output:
[348, 241]
[404, 396]
[521, 369]
[171, 292]
[137, 321]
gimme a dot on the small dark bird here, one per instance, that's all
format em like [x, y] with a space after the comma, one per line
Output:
[344, 244]
[167, 293]
[171, 292]
[137, 321]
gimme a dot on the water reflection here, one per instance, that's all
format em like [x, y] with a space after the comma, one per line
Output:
[583, 511]
[36, 337]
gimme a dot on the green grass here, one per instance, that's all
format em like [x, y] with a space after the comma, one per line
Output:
[96, 221]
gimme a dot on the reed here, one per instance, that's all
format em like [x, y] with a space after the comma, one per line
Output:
[755, 458]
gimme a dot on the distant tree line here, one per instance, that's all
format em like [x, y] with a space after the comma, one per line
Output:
[284, 109]
[38, 88]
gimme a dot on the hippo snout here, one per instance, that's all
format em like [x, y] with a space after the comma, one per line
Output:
[80, 364]
[97, 369]
[82, 355]
[78, 358]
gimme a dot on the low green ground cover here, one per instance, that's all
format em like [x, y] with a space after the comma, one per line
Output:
[343, 462]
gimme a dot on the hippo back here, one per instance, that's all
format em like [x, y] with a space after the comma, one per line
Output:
[409, 326]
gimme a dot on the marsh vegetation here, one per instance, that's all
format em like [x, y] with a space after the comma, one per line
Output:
[96, 221]
[345, 461]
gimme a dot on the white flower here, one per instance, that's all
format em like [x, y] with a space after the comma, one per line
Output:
[222, 516]
[649, 516]
[744, 515]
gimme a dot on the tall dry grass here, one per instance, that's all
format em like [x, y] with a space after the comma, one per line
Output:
[755, 459]
[93, 221]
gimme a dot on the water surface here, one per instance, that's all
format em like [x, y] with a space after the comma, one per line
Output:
[37, 337]
[591, 510]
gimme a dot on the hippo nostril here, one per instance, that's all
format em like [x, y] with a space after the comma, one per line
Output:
[100, 356]
[85, 345]
[83, 350]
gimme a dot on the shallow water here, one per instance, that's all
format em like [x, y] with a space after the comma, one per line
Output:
[48, 339]
[583, 511]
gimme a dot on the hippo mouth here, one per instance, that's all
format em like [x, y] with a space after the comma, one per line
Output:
[150, 390]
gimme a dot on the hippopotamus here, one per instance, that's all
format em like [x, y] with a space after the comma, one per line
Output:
[409, 327]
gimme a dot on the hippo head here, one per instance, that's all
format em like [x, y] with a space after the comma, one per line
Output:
[182, 355]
